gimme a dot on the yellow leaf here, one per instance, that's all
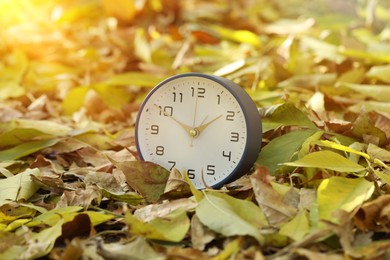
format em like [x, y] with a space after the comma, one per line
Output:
[124, 10]
[74, 100]
[113, 96]
[297, 227]
[342, 193]
[241, 36]
[229, 250]
[141, 46]
[172, 227]
[341, 147]
[18, 187]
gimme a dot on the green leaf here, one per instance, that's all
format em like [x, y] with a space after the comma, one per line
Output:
[297, 227]
[229, 216]
[282, 149]
[339, 193]
[172, 227]
[25, 149]
[327, 160]
[19, 187]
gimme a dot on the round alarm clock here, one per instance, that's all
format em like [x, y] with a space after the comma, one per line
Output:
[202, 124]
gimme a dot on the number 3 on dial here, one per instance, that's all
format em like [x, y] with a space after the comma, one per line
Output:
[205, 125]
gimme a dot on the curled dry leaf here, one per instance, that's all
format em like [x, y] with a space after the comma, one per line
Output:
[270, 201]
[374, 215]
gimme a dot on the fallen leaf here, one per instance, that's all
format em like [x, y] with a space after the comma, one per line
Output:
[18, 187]
[200, 234]
[153, 211]
[79, 226]
[132, 250]
[172, 227]
[297, 227]
[282, 149]
[380, 72]
[368, 216]
[147, 178]
[327, 160]
[40, 244]
[351, 193]
[271, 202]
[229, 216]
[25, 149]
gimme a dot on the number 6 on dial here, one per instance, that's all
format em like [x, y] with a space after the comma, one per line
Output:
[203, 124]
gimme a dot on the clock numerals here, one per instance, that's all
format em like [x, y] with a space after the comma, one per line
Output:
[230, 115]
[199, 91]
[210, 169]
[160, 150]
[234, 137]
[173, 164]
[218, 99]
[227, 155]
[191, 173]
[178, 97]
[154, 129]
[166, 111]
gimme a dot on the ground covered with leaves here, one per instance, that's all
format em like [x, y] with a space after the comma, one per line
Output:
[74, 72]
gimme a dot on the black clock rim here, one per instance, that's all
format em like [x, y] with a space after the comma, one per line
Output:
[252, 121]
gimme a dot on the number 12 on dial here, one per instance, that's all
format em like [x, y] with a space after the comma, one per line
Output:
[205, 125]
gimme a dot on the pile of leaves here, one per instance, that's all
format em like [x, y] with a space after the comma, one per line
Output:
[74, 72]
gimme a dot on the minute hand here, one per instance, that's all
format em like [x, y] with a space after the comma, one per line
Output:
[184, 126]
[203, 126]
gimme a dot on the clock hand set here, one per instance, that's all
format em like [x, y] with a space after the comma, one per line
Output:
[192, 131]
[203, 126]
[184, 126]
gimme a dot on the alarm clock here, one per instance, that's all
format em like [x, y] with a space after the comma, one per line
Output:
[201, 124]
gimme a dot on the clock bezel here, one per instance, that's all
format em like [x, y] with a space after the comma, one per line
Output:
[251, 116]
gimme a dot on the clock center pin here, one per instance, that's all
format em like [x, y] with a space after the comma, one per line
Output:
[194, 132]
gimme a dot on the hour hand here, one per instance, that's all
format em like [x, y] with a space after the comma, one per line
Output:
[184, 126]
[203, 126]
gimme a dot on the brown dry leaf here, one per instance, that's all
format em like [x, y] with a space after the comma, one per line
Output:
[200, 234]
[371, 214]
[149, 179]
[152, 211]
[270, 201]
[80, 226]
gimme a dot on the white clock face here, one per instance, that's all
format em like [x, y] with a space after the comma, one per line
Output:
[193, 124]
